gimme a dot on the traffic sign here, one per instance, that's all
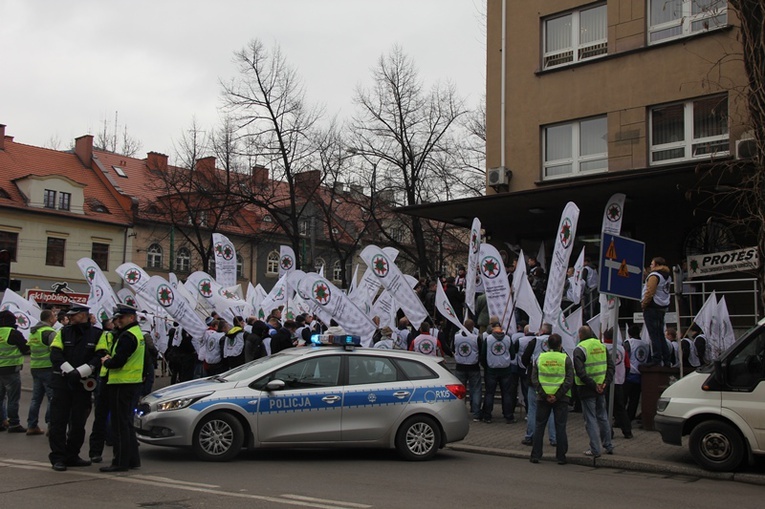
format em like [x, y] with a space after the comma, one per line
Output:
[621, 266]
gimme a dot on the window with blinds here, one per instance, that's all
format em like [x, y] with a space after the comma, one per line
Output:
[575, 36]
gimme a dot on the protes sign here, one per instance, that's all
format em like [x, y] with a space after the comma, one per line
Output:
[727, 261]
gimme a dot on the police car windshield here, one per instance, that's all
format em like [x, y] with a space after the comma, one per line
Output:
[254, 368]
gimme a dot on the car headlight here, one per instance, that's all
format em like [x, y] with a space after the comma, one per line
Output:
[662, 404]
[179, 403]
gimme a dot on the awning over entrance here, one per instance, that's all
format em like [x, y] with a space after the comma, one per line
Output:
[656, 210]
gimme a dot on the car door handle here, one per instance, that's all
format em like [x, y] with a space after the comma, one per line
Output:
[330, 399]
[401, 394]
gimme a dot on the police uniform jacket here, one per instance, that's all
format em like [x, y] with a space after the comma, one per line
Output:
[589, 389]
[125, 344]
[79, 347]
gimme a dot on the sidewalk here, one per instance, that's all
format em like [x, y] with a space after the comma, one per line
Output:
[645, 452]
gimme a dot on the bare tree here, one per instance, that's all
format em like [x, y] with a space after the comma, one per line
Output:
[404, 138]
[276, 129]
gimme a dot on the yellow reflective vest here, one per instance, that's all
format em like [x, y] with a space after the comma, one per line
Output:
[596, 360]
[551, 370]
[132, 371]
[10, 355]
[39, 357]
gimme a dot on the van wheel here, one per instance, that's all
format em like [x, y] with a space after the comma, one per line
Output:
[219, 437]
[418, 439]
[717, 446]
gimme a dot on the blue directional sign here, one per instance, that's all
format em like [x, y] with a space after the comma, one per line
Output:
[621, 266]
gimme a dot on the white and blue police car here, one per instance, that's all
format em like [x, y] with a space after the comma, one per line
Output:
[314, 396]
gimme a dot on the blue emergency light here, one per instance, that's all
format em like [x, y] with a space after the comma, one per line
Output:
[347, 340]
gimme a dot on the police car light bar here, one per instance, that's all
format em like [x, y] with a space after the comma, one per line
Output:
[332, 340]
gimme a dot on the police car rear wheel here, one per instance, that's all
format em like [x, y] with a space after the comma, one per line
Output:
[419, 438]
[219, 437]
[716, 446]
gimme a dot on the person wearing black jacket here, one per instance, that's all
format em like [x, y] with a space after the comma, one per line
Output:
[75, 354]
[284, 337]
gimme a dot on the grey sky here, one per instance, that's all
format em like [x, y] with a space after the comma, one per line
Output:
[70, 64]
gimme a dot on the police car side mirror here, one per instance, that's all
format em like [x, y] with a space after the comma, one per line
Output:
[275, 385]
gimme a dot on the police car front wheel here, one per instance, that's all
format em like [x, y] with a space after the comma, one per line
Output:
[419, 438]
[218, 437]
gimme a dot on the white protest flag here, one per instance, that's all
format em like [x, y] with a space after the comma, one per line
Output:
[564, 244]
[160, 291]
[277, 296]
[726, 335]
[337, 305]
[524, 295]
[255, 296]
[27, 312]
[126, 296]
[542, 256]
[321, 270]
[471, 274]
[354, 278]
[706, 315]
[568, 328]
[391, 278]
[385, 309]
[447, 310]
[225, 303]
[369, 286]
[594, 324]
[613, 214]
[225, 260]
[102, 298]
[181, 289]
[576, 284]
[299, 282]
[496, 286]
[286, 260]
[137, 279]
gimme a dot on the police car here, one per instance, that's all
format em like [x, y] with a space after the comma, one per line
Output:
[315, 396]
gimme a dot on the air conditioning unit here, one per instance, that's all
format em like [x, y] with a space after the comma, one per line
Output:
[499, 176]
[746, 148]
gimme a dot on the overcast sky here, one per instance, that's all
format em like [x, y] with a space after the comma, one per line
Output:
[69, 64]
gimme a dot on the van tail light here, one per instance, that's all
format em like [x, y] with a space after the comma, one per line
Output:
[458, 390]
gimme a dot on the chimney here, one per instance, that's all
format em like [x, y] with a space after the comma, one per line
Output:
[83, 147]
[308, 181]
[259, 176]
[2, 136]
[206, 164]
[156, 161]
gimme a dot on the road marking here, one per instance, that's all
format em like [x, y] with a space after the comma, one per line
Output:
[326, 501]
[162, 482]
[174, 481]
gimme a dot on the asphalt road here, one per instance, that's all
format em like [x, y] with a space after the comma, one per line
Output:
[172, 478]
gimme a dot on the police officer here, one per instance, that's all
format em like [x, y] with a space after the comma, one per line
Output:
[594, 372]
[125, 365]
[40, 338]
[13, 346]
[98, 432]
[552, 376]
[75, 354]
[124, 379]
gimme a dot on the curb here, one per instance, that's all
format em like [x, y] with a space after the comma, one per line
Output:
[622, 463]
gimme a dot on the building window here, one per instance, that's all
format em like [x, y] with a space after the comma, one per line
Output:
[690, 130]
[267, 219]
[49, 199]
[576, 148]
[183, 260]
[272, 264]
[154, 256]
[576, 36]
[672, 19]
[303, 227]
[65, 201]
[10, 242]
[318, 263]
[54, 255]
[337, 271]
[100, 255]
[239, 266]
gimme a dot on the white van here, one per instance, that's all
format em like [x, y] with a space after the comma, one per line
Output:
[721, 406]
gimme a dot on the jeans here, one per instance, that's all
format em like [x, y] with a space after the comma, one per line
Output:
[596, 423]
[559, 410]
[472, 380]
[40, 388]
[10, 386]
[531, 415]
[654, 322]
[504, 382]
